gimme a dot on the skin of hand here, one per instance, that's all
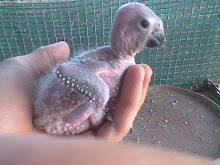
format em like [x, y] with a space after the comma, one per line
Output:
[17, 78]
[83, 151]
[17, 87]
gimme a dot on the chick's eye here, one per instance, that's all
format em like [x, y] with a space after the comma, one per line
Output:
[144, 24]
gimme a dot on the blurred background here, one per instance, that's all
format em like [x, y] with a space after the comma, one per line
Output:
[192, 28]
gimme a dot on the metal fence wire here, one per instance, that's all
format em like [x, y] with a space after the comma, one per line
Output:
[192, 29]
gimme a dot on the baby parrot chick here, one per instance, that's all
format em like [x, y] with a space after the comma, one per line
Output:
[77, 95]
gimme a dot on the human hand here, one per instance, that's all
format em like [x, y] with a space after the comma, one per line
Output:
[17, 87]
[17, 79]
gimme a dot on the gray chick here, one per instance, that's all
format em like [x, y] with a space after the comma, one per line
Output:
[77, 95]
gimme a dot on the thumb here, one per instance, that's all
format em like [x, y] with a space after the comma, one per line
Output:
[47, 57]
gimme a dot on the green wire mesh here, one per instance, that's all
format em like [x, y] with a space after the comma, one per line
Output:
[192, 28]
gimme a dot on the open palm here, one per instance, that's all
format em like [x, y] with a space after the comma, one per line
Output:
[18, 77]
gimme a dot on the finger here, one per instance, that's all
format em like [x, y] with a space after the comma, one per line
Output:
[139, 80]
[148, 74]
[128, 105]
[45, 58]
[88, 133]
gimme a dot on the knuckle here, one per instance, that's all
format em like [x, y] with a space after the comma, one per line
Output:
[45, 53]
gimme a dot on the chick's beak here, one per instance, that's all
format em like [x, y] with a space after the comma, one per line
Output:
[158, 38]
